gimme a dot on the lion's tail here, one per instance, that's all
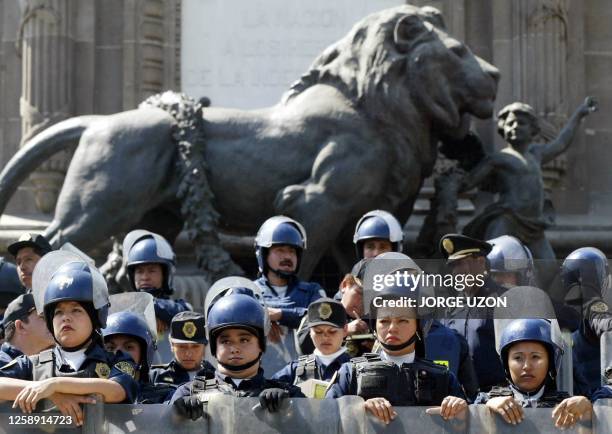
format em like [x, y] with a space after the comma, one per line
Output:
[37, 150]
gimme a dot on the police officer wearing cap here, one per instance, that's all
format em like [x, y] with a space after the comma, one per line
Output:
[74, 299]
[399, 375]
[377, 232]
[327, 327]
[188, 342]
[585, 276]
[150, 263]
[467, 257]
[128, 332]
[531, 358]
[10, 285]
[28, 250]
[237, 326]
[25, 332]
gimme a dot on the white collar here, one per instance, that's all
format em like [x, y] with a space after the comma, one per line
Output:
[398, 360]
[74, 359]
[326, 360]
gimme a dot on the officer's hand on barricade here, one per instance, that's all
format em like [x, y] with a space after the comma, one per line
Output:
[450, 408]
[508, 408]
[69, 405]
[571, 410]
[272, 399]
[381, 409]
[191, 407]
[29, 396]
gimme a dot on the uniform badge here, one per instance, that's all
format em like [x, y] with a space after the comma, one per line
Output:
[189, 329]
[125, 367]
[102, 370]
[448, 245]
[599, 307]
[325, 311]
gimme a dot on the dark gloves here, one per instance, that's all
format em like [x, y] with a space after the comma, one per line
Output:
[272, 399]
[190, 406]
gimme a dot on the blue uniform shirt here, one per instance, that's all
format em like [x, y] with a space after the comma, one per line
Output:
[8, 352]
[287, 374]
[345, 385]
[294, 304]
[120, 368]
[604, 392]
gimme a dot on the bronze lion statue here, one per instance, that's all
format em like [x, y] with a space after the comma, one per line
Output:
[357, 132]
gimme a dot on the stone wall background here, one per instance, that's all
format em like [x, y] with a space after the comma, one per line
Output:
[551, 54]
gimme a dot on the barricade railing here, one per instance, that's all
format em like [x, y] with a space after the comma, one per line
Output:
[346, 415]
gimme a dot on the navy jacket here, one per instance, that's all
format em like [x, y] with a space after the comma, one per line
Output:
[8, 352]
[294, 304]
[21, 368]
[174, 373]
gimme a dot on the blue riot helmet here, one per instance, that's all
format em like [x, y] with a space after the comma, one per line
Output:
[236, 311]
[10, 286]
[586, 266]
[133, 324]
[537, 330]
[144, 247]
[509, 255]
[279, 230]
[378, 224]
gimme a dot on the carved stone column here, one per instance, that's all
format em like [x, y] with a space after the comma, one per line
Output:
[531, 50]
[45, 45]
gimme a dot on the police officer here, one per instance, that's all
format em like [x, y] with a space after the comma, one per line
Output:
[25, 331]
[237, 328]
[28, 250]
[279, 244]
[585, 277]
[531, 358]
[74, 299]
[150, 263]
[466, 256]
[399, 375]
[128, 332]
[327, 325]
[377, 232]
[10, 285]
[510, 262]
[188, 342]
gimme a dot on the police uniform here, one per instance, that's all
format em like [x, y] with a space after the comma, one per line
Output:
[421, 382]
[324, 311]
[98, 363]
[220, 383]
[10, 286]
[531, 330]
[19, 308]
[473, 323]
[295, 303]
[186, 327]
[36, 241]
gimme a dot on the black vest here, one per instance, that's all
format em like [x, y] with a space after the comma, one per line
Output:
[44, 366]
[154, 393]
[419, 383]
[306, 369]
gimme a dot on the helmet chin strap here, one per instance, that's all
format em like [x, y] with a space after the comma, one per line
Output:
[399, 347]
[234, 368]
[87, 342]
[283, 274]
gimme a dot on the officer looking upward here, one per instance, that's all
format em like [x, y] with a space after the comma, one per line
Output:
[74, 299]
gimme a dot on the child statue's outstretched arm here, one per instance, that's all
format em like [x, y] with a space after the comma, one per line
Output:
[558, 146]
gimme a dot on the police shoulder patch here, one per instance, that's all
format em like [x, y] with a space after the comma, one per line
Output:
[102, 370]
[599, 307]
[125, 367]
